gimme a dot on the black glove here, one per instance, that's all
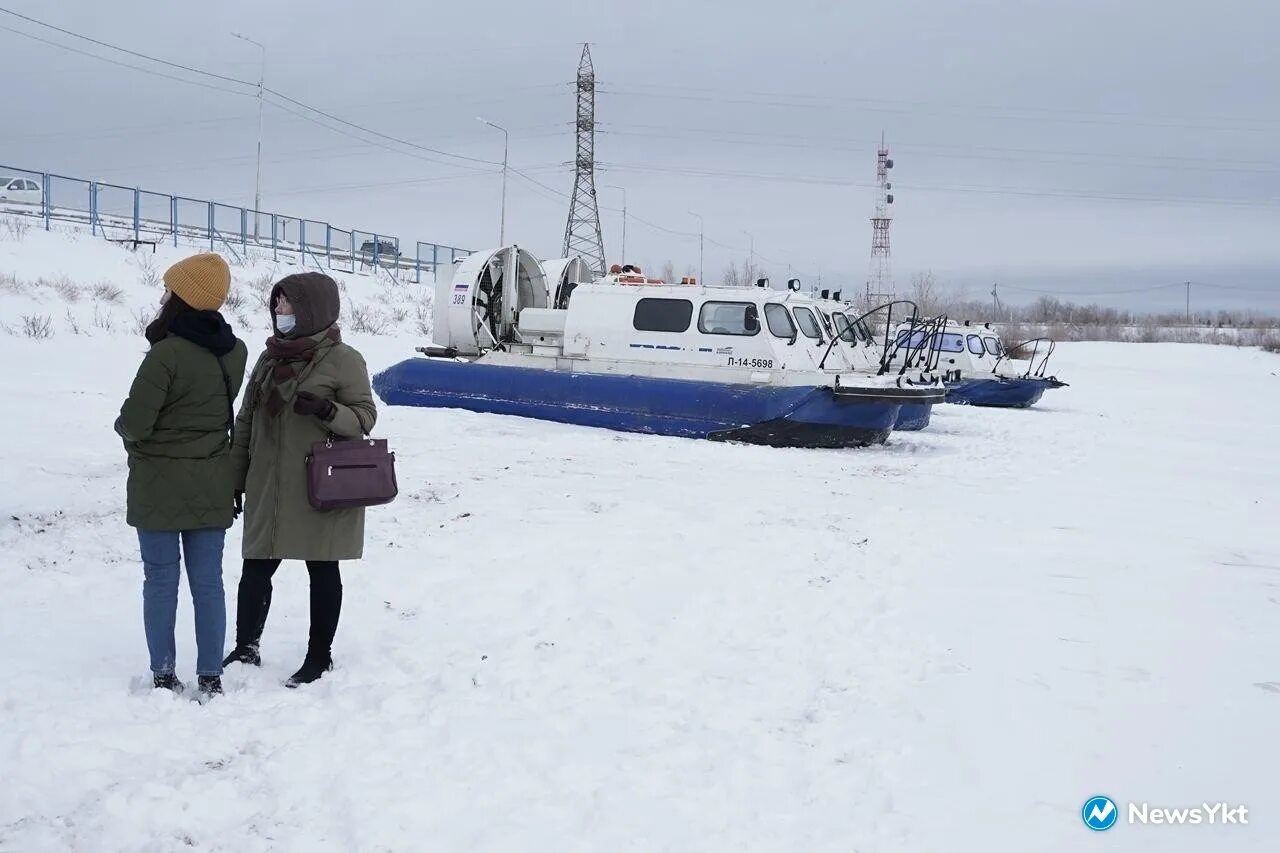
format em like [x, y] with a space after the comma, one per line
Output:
[238, 505]
[306, 403]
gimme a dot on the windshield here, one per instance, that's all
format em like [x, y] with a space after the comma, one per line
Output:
[843, 327]
[779, 320]
[808, 325]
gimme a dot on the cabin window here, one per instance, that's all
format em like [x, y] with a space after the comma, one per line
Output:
[779, 321]
[975, 345]
[729, 318]
[949, 342]
[917, 340]
[663, 315]
[844, 327]
[808, 324]
[994, 347]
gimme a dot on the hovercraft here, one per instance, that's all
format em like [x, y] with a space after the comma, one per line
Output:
[979, 371]
[632, 353]
[911, 352]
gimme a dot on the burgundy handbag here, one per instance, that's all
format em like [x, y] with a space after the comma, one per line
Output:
[350, 473]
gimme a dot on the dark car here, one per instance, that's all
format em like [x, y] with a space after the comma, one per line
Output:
[380, 248]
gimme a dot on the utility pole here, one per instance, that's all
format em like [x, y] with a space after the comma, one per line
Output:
[1188, 303]
[506, 139]
[995, 300]
[623, 190]
[751, 257]
[701, 237]
[257, 183]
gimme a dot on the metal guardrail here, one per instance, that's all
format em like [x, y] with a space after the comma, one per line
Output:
[132, 214]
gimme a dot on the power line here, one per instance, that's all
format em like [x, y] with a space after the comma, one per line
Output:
[377, 133]
[907, 108]
[829, 181]
[828, 99]
[150, 71]
[1000, 155]
[222, 77]
[134, 53]
[862, 145]
[376, 143]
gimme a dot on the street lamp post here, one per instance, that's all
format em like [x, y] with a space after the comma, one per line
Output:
[257, 183]
[623, 190]
[751, 256]
[701, 240]
[506, 139]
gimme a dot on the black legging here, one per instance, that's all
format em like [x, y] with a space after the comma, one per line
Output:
[253, 600]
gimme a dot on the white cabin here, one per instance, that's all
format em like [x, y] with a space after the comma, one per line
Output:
[964, 349]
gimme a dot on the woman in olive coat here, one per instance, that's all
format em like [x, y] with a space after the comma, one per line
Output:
[181, 483]
[306, 387]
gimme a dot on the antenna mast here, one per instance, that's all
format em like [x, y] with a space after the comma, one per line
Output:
[880, 282]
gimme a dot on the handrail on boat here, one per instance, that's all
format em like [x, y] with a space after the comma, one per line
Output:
[1035, 344]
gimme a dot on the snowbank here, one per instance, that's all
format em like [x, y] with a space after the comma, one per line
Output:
[70, 282]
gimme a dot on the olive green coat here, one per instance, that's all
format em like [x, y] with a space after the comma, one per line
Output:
[174, 426]
[270, 459]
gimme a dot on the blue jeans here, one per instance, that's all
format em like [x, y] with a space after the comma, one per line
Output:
[202, 550]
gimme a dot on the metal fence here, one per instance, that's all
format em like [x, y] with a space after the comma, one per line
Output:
[135, 216]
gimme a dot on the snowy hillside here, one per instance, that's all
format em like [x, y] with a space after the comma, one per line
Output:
[566, 639]
[70, 282]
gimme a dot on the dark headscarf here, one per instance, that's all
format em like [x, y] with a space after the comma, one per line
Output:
[314, 297]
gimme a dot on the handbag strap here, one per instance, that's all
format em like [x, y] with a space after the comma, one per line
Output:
[231, 411]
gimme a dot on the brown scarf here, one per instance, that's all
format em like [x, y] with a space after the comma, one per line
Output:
[286, 359]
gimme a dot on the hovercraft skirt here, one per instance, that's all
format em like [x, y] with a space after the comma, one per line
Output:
[779, 416]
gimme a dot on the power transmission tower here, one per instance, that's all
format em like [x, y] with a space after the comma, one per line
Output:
[881, 273]
[582, 231]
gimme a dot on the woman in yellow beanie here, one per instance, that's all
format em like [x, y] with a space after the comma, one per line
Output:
[175, 425]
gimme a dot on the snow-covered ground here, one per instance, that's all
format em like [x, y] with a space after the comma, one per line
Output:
[69, 282]
[566, 639]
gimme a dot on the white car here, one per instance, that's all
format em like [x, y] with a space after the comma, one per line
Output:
[21, 190]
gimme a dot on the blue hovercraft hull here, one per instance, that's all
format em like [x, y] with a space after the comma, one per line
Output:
[1001, 392]
[913, 417]
[807, 416]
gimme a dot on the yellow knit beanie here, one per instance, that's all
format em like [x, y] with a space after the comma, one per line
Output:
[201, 280]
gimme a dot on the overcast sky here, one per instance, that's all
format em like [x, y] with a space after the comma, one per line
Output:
[1080, 145]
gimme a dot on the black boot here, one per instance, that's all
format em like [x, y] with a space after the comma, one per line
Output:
[168, 681]
[210, 685]
[253, 602]
[312, 669]
[244, 654]
[326, 606]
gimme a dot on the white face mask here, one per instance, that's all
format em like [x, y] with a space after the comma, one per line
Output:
[285, 323]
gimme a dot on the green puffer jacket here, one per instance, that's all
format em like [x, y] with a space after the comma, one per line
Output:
[271, 450]
[174, 426]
